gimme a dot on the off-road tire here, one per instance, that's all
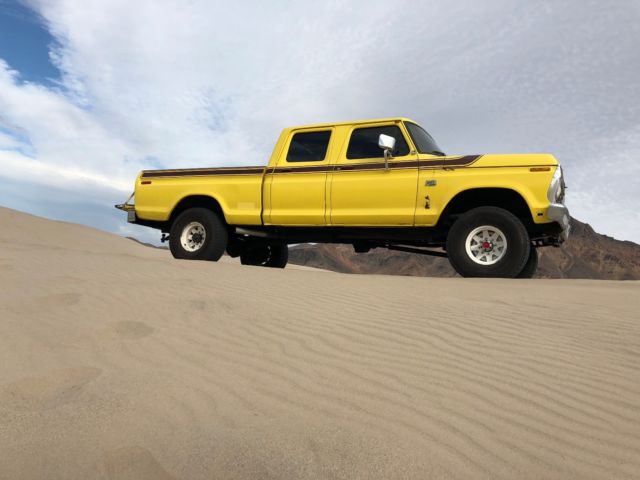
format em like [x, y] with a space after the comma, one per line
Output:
[267, 255]
[531, 266]
[215, 235]
[516, 251]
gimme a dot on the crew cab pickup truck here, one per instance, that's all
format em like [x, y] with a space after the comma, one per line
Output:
[374, 183]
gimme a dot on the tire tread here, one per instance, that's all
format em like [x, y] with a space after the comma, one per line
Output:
[511, 266]
[217, 235]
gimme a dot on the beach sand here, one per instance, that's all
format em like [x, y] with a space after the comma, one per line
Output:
[119, 362]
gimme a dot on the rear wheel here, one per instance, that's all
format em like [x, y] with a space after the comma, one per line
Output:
[488, 242]
[531, 266]
[198, 234]
[266, 255]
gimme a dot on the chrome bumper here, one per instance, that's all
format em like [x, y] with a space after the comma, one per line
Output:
[130, 208]
[560, 214]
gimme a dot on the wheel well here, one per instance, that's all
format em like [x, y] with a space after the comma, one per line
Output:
[196, 201]
[487, 197]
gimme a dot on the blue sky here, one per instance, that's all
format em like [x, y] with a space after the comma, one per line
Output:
[25, 43]
[93, 91]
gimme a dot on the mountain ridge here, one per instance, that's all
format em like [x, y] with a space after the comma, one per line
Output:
[586, 254]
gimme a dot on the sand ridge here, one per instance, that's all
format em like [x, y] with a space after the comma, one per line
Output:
[117, 361]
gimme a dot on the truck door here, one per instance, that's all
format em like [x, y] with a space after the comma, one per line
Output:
[297, 183]
[362, 190]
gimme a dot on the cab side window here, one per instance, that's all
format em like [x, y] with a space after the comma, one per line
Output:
[309, 146]
[364, 142]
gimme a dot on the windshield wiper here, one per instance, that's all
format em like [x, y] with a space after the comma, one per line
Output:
[438, 153]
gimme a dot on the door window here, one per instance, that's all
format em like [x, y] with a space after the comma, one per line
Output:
[309, 146]
[364, 142]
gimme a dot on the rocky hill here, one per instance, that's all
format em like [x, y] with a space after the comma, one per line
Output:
[587, 254]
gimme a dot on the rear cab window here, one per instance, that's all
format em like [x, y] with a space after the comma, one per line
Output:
[363, 142]
[308, 146]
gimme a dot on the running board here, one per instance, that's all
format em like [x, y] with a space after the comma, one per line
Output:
[254, 233]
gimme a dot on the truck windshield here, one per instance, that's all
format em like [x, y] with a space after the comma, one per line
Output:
[422, 140]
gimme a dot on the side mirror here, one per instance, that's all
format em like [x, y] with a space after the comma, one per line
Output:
[386, 143]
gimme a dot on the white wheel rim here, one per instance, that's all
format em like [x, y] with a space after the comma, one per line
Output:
[486, 245]
[193, 237]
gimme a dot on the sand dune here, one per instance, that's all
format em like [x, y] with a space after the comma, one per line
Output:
[118, 362]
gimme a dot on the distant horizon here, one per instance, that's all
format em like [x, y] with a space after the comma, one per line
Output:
[155, 239]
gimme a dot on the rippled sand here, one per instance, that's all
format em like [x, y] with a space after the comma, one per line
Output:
[118, 362]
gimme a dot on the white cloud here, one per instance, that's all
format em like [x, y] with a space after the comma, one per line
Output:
[16, 166]
[67, 140]
[202, 83]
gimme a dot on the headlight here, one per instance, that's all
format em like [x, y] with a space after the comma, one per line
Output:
[555, 187]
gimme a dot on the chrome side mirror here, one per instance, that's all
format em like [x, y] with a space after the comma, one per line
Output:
[386, 143]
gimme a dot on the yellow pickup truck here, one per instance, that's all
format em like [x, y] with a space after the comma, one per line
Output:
[374, 183]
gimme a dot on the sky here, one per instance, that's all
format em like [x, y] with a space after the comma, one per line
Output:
[92, 92]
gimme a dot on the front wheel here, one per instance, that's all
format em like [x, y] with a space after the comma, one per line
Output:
[198, 234]
[531, 266]
[488, 242]
[267, 255]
